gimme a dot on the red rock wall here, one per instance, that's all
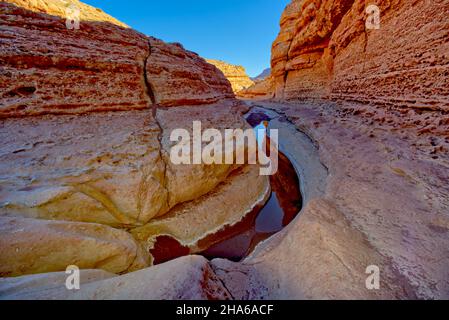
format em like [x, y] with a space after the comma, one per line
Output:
[181, 77]
[405, 62]
[46, 68]
[324, 50]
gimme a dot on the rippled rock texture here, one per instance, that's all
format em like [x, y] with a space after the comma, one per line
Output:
[86, 117]
[324, 50]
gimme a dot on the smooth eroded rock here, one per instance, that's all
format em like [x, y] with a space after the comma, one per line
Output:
[37, 246]
[186, 278]
[196, 220]
[102, 167]
[324, 49]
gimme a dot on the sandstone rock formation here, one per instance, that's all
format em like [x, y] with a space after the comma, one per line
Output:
[100, 67]
[384, 145]
[85, 153]
[85, 175]
[263, 75]
[77, 71]
[325, 50]
[188, 278]
[27, 286]
[371, 197]
[261, 90]
[59, 8]
[38, 246]
[193, 222]
[180, 77]
[235, 74]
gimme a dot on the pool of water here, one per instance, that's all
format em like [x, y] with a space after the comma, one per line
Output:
[284, 204]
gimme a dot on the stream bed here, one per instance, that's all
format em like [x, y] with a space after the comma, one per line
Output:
[238, 241]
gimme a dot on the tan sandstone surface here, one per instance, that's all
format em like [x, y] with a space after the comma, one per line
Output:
[59, 8]
[235, 74]
[85, 152]
[382, 201]
[261, 90]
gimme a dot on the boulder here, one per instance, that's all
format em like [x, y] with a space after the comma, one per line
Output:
[193, 224]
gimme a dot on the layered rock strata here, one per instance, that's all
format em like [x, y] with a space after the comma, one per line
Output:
[261, 90]
[372, 198]
[187, 278]
[235, 74]
[47, 68]
[324, 49]
[86, 152]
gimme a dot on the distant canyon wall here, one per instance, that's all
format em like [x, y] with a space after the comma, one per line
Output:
[324, 50]
[236, 75]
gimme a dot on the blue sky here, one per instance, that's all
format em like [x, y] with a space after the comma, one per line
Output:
[236, 31]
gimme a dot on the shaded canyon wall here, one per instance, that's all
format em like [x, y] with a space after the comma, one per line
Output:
[324, 50]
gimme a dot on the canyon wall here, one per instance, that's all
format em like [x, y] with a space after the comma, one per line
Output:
[85, 120]
[263, 75]
[261, 90]
[47, 68]
[235, 74]
[324, 50]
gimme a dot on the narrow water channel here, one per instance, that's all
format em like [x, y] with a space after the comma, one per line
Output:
[237, 242]
[284, 204]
